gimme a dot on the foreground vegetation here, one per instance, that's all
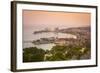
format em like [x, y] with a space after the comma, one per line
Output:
[57, 53]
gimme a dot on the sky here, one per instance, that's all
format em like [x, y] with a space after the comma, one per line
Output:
[51, 19]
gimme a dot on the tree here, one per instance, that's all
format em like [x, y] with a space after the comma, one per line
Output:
[33, 54]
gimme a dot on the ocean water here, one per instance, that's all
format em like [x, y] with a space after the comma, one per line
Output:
[29, 36]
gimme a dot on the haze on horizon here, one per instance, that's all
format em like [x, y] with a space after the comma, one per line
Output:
[45, 19]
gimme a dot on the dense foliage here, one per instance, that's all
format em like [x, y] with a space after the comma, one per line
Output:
[33, 54]
[57, 53]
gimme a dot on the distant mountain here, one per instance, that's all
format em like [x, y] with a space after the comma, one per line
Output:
[82, 28]
[76, 29]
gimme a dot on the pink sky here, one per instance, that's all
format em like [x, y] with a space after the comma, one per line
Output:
[55, 19]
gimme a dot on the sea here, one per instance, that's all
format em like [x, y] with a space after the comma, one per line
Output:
[29, 36]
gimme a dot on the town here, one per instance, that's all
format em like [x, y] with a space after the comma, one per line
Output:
[80, 35]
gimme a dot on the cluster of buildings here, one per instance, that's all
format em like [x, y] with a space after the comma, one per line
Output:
[81, 35]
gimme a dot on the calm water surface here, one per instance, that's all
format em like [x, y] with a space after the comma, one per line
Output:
[30, 36]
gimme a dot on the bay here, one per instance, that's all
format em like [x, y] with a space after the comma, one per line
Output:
[27, 42]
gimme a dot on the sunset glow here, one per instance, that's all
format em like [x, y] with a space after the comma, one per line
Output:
[33, 18]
